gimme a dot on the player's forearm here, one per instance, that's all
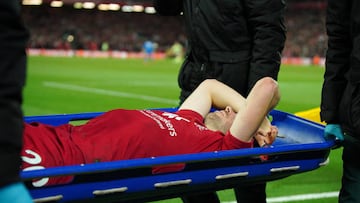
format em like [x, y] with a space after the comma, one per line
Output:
[212, 93]
[222, 95]
[262, 98]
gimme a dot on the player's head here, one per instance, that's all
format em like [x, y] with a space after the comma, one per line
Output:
[220, 120]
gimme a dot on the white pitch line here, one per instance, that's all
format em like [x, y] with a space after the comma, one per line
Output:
[302, 197]
[109, 92]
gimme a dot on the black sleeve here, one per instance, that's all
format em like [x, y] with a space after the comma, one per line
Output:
[168, 7]
[13, 39]
[337, 58]
[266, 24]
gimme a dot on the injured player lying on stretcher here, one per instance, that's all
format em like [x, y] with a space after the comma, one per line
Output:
[129, 134]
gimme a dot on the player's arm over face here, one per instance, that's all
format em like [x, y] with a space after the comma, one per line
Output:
[251, 111]
[213, 93]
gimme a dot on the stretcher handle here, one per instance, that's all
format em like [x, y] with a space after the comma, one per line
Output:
[54, 198]
[109, 191]
[172, 183]
[288, 168]
[231, 175]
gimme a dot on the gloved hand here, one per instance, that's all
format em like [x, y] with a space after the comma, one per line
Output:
[15, 193]
[334, 130]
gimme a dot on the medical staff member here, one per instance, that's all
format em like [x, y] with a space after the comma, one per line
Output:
[340, 102]
[235, 41]
[13, 39]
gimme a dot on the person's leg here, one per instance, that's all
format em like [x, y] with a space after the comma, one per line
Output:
[208, 197]
[251, 193]
[234, 75]
[350, 187]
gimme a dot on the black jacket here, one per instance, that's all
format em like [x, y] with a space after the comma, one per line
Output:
[340, 101]
[233, 31]
[234, 41]
[13, 40]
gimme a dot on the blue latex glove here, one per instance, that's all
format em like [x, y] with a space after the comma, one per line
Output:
[15, 193]
[334, 131]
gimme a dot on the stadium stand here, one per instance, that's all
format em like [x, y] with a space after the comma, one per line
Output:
[69, 28]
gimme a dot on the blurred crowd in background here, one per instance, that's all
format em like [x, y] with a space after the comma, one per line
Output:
[69, 28]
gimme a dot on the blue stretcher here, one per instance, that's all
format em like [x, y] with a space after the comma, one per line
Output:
[300, 148]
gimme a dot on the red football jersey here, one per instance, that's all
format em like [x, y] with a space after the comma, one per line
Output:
[125, 134]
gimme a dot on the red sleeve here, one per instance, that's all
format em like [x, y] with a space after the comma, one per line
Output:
[231, 142]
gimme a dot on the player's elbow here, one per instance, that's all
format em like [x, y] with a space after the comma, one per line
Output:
[271, 86]
[209, 82]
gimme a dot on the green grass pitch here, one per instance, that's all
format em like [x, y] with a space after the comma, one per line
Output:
[73, 85]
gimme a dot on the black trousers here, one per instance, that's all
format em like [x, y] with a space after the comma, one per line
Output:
[234, 75]
[245, 194]
[13, 39]
[193, 73]
[350, 186]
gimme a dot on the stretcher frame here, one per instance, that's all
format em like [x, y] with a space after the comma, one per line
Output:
[300, 147]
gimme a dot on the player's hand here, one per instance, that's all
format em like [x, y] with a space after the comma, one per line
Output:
[266, 138]
[333, 131]
[266, 134]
